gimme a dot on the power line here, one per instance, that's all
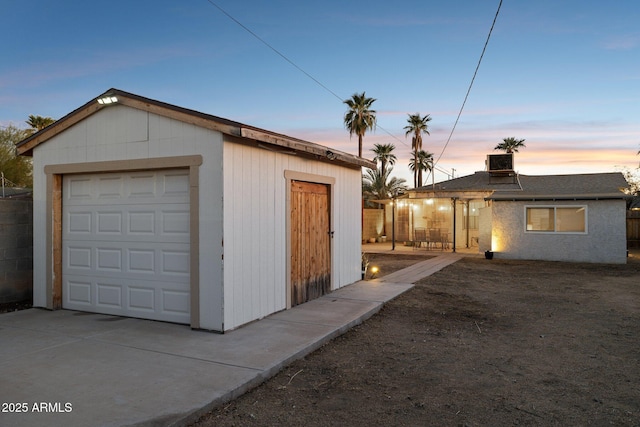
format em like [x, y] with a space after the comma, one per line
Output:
[277, 52]
[283, 56]
[318, 82]
[470, 84]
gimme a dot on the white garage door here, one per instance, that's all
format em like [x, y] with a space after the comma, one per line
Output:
[125, 244]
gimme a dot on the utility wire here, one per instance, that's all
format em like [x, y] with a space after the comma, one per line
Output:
[470, 84]
[277, 52]
[283, 56]
[318, 82]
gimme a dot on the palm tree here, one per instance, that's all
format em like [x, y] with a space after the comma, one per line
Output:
[417, 125]
[510, 145]
[422, 162]
[38, 123]
[360, 117]
[378, 186]
[384, 155]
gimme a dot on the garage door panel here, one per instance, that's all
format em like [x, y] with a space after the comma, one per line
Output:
[126, 244]
[142, 185]
[128, 260]
[175, 302]
[108, 222]
[142, 298]
[174, 222]
[109, 295]
[175, 185]
[110, 187]
[79, 222]
[141, 261]
[79, 292]
[141, 223]
[169, 301]
[131, 188]
[175, 262]
[78, 257]
[79, 188]
[153, 223]
[109, 259]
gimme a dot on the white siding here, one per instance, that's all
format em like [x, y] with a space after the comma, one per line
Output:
[255, 229]
[123, 133]
[604, 242]
[250, 282]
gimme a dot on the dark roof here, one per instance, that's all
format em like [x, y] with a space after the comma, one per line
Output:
[263, 138]
[536, 187]
[479, 181]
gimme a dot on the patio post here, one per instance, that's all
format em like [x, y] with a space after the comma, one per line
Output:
[393, 224]
[453, 202]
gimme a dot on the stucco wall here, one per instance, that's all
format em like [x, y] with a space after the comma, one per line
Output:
[16, 250]
[484, 235]
[372, 226]
[604, 242]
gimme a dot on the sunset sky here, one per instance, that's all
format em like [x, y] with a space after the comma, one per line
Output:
[563, 75]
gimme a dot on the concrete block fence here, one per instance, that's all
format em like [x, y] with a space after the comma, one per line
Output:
[16, 250]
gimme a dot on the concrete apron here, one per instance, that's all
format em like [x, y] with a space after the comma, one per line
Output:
[69, 368]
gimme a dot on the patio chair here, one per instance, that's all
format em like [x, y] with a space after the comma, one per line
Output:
[420, 237]
[435, 237]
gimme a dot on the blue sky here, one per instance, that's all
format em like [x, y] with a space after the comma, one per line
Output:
[563, 75]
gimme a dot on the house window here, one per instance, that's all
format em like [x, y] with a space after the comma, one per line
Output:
[472, 213]
[556, 219]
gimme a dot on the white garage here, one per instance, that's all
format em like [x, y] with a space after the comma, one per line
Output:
[125, 244]
[149, 210]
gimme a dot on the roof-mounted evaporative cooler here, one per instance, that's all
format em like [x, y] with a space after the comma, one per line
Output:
[500, 163]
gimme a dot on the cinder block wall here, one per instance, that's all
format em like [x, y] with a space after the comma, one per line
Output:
[16, 250]
[372, 224]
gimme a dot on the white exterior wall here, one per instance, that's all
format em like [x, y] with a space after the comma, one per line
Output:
[123, 133]
[255, 241]
[604, 242]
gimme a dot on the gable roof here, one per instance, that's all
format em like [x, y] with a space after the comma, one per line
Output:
[534, 187]
[264, 138]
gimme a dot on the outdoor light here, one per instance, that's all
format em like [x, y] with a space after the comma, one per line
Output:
[374, 272]
[330, 155]
[106, 100]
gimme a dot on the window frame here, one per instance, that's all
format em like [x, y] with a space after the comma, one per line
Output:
[585, 209]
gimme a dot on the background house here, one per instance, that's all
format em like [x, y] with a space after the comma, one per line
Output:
[150, 210]
[579, 218]
[555, 217]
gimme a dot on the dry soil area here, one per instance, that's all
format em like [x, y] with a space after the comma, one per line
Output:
[481, 343]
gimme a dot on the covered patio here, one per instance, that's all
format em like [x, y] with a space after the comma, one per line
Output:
[435, 220]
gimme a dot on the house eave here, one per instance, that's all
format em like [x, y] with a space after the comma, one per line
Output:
[554, 198]
[451, 194]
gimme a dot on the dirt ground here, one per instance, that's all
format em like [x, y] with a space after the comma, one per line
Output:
[479, 343]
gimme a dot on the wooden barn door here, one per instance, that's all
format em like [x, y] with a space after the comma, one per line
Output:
[310, 241]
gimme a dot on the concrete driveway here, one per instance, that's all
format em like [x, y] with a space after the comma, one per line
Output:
[69, 368]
